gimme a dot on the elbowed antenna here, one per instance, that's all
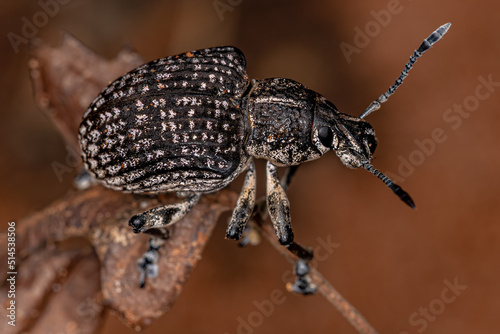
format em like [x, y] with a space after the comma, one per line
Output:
[426, 44]
[403, 195]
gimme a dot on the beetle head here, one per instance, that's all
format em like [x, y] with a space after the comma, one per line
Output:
[352, 139]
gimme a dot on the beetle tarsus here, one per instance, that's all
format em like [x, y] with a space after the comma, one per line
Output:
[148, 263]
[302, 284]
[83, 180]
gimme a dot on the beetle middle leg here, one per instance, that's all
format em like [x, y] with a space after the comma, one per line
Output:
[278, 206]
[279, 210]
[162, 216]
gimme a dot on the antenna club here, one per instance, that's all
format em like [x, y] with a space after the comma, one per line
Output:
[403, 195]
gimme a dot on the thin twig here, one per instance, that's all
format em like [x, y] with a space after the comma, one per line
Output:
[324, 287]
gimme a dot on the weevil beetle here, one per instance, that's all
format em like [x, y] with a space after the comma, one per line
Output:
[193, 122]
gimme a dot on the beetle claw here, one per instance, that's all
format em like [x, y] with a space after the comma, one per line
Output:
[302, 286]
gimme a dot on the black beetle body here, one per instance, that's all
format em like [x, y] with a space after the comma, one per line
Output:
[191, 123]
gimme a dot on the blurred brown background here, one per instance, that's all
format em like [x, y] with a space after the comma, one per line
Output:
[391, 262]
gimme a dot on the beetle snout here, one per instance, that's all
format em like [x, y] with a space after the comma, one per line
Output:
[352, 158]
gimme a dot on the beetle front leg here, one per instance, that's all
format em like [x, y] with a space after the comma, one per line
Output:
[261, 206]
[279, 210]
[244, 206]
[162, 216]
[278, 206]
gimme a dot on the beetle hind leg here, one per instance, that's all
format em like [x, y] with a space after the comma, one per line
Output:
[155, 222]
[162, 216]
[244, 206]
[279, 211]
[147, 264]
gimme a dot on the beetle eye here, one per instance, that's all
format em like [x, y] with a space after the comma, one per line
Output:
[325, 135]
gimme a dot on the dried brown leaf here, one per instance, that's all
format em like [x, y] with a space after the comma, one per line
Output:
[102, 215]
[119, 250]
